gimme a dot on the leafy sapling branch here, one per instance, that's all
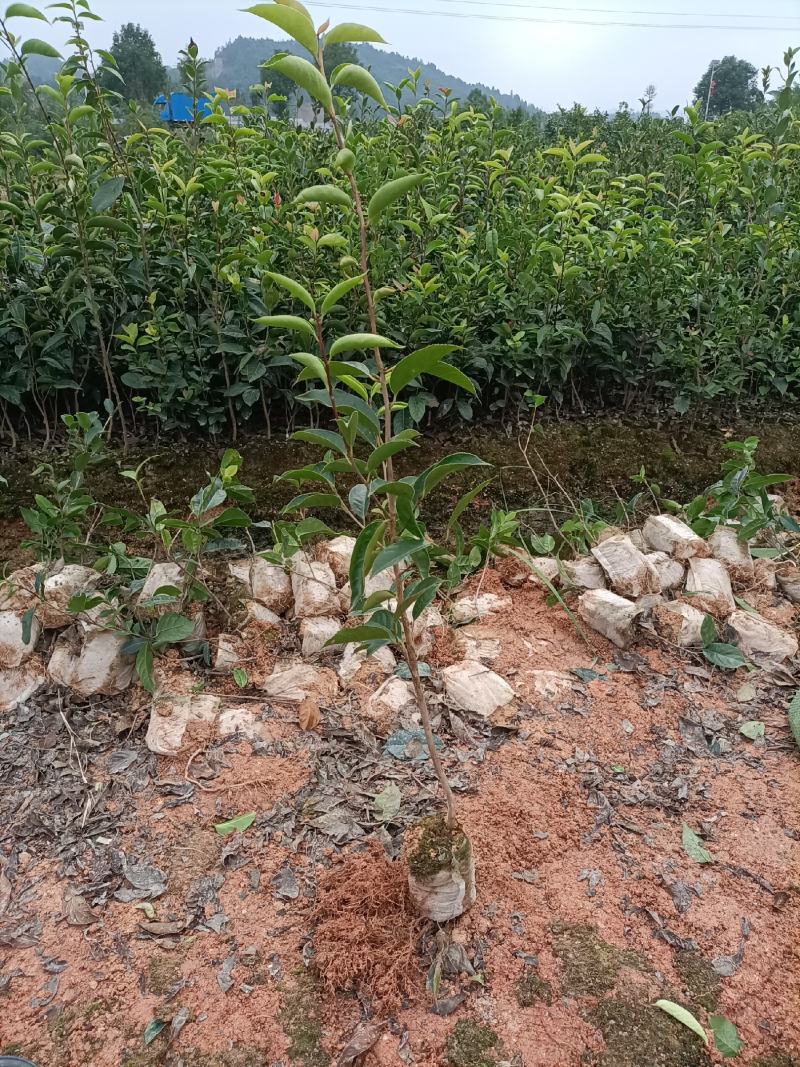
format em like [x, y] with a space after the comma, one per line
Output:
[395, 567]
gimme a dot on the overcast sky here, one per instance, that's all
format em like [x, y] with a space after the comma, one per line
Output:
[546, 63]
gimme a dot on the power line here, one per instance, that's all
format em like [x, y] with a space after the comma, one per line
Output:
[609, 10]
[549, 21]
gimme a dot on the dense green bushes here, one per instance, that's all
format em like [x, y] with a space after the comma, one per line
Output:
[652, 261]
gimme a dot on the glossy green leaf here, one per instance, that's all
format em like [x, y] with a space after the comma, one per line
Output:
[291, 21]
[358, 498]
[144, 667]
[360, 342]
[464, 503]
[152, 1030]
[417, 363]
[233, 517]
[287, 322]
[35, 47]
[298, 291]
[24, 11]
[726, 1036]
[395, 553]
[363, 551]
[721, 654]
[356, 77]
[107, 194]
[694, 847]
[311, 500]
[325, 438]
[324, 194]
[337, 294]
[360, 634]
[708, 630]
[171, 629]
[457, 461]
[391, 192]
[386, 451]
[683, 1016]
[352, 31]
[303, 74]
[239, 824]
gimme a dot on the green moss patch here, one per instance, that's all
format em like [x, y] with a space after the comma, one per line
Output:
[530, 988]
[589, 964]
[301, 1019]
[438, 849]
[638, 1034]
[471, 1044]
[700, 981]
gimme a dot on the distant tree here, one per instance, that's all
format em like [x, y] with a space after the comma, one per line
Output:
[646, 100]
[733, 87]
[339, 52]
[479, 101]
[139, 64]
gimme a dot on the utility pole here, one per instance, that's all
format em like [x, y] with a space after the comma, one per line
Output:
[714, 64]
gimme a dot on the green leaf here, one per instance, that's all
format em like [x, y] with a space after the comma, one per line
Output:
[287, 322]
[457, 461]
[387, 803]
[24, 11]
[298, 291]
[303, 74]
[325, 438]
[386, 451]
[359, 342]
[107, 194]
[361, 80]
[240, 823]
[464, 503]
[27, 624]
[232, 517]
[453, 375]
[708, 630]
[360, 635]
[358, 561]
[753, 729]
[416, 363]
[35, 47]
[339, 291]
[793, 712]
[312, 500]
[324, 194]
[390, 192]
[683, 1016]
[152, 1030]
[109, 222]
[352, 31]
[358, 498]
[392, 554]
[240, 677]
[144, 667]
[693, 846]
[729, 657]
[171, 629]
[291, 21]
[726, 1036]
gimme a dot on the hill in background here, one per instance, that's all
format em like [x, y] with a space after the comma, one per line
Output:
[236, 66]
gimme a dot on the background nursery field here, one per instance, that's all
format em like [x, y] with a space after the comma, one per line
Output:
[331, 733]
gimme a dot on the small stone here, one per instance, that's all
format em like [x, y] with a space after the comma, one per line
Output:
[171, 713]
[59, 589]
[728, 549]
[671, 572]
[316, 633]
[665, 533]
[89, 660]
[262, 615]
[759, 640]
[337, 553]
[709, 587]
[13, 650]
[394, 697]
[550, 686]
[470, 608]
[227, 655]
[628, 571]
[265, 582]
[610, 615]
[160, 575]
[292, 683]
[678, 623]
[788, 578]
[314, 588]
[584, 573]
[353, 659]
[18, 684]
[545, 569]
[471, 686]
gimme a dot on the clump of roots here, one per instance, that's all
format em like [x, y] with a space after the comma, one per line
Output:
[366, 935]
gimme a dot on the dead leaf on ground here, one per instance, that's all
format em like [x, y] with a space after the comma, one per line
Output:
[163, 929]
[362, 1041]
[5, 893]
[75, 909]
[308, 716]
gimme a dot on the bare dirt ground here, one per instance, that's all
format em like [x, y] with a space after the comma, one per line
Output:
[132, 933]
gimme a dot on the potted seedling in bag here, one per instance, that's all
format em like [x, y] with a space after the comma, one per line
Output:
[396, 570]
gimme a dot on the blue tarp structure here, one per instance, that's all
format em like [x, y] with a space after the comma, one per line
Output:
[178, 107]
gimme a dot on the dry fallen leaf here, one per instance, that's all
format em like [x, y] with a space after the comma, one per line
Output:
[75, 909]
[308, 715]
[362, 1041]
[5, 893]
